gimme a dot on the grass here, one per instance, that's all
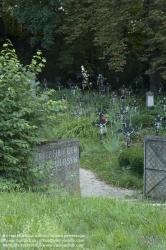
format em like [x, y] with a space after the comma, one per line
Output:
[104, 223]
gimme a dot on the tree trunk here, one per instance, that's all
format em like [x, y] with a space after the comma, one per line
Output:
[155, 78]
[2, 29]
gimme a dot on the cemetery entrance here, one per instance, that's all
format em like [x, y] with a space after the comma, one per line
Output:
[155, 167]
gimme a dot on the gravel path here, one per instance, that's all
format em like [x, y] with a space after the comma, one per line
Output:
[91, 186]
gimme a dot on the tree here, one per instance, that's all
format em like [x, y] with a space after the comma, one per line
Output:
[121, 28]
[106, 20]
[78, 33]
[154, 20]
[2, 32]
[38, 17]
[102, 32]
[98, 32]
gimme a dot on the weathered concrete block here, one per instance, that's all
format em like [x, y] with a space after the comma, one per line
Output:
[62, 156]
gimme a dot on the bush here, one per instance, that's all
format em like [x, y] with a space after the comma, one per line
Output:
[143, 120]
[133, 157]
[136, 159]
[25, 115]
[123, 158]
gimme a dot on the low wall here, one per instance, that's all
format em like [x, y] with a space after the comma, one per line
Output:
[62, 156]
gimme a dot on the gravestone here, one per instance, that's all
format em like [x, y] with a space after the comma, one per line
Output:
[155, 167]
[150, 99]
[62, 156]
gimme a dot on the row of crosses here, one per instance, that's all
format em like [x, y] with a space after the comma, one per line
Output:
[102, 122]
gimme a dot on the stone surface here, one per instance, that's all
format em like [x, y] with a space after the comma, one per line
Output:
[62, 157]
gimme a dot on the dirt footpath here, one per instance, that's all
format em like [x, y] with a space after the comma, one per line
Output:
[91, 186]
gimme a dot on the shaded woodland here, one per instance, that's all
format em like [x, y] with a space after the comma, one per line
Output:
[124, 40]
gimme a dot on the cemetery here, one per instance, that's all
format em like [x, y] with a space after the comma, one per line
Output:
[118, 131]
[82, 108]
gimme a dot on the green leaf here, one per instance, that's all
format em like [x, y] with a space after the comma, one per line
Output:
[39, 52]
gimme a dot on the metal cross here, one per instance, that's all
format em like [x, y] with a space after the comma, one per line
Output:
[123, 98]
[135, 105]
[108, 87]
[127, 131]
[80, 102]
[160, 88]
[163, 103]
[101, 123]
[57, 80]
[130, 91]
[65, 99]
[77, 113]
[121, 114]
[73, 89]
[123, 90]
[70, 83]
[45, 84]
[158, 121]
[84, 84]
[113, 97]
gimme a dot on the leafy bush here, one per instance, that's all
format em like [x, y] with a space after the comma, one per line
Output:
[136, 159]
[123, 158]
[133, 157]
[25, 115]
[143, 120]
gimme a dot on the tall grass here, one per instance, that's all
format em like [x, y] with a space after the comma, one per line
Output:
[77, 128]
[105, 223]
[112, 144]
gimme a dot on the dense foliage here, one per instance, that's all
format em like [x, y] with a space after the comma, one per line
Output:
[38, 17]
[25, 115]
[142, 120]
[107, 36]
[132, 158]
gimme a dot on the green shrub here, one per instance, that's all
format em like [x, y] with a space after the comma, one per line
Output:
[25, 115]
[143, 120]
[123, 158]
[136, 159]
[133, 157]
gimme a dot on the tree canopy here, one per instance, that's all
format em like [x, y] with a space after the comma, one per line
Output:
[96, 33]
[38, 17]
